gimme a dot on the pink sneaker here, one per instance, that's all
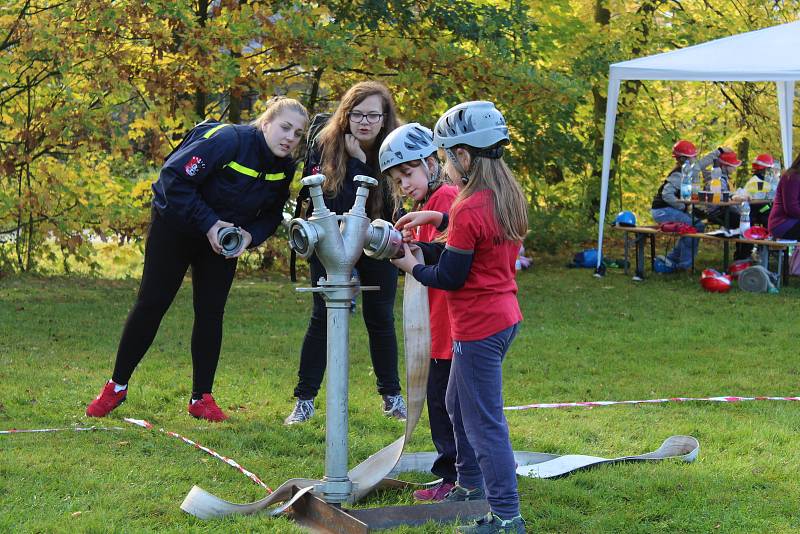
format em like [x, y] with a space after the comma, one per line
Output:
[106, 401]
[434, 493]
[207, 409]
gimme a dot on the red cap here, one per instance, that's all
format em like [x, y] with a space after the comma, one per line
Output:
[763, 161]
[729, 158]
[684, 148]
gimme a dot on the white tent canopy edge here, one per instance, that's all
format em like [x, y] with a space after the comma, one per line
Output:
[767, 55]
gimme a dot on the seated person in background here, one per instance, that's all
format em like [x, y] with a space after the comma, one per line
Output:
[756, 188]
[784, 220]
[727, 162]
[726, 216]
[666, 206]
[759, 186]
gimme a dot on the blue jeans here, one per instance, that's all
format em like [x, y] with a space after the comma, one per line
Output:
[686, 248]
[474, 398]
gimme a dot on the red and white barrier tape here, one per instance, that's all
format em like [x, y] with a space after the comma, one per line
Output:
[144, 424]
[648, 401]
[76, 429]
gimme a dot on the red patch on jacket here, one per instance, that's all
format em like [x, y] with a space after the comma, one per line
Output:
[194, 165]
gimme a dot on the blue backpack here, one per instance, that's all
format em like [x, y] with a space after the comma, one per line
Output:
[586, 259]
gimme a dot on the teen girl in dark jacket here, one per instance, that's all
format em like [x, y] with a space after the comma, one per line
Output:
[220, 176]
[348, 146]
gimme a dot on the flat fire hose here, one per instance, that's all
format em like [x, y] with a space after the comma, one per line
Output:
[369, 474]
[685, 448]
[377, 470]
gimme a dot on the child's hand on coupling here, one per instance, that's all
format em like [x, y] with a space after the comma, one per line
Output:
[353, 148]
[408, 236]
[418, 218]
[407, 262]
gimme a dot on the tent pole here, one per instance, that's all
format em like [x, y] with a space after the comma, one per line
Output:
[608, 143]
[786, 113]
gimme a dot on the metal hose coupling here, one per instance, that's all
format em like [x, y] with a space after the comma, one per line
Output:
[230, 239]
[383, 241]
[303, 237]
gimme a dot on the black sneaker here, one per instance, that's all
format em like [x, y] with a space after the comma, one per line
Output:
[394, 406]
[460, 493]
[490, 523]
[303, 411]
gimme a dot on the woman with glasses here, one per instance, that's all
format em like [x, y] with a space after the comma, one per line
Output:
[348, 146]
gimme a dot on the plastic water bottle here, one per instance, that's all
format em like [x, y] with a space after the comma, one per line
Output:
[696, 185]
[773, 179]
[686, 180]
[744, 218]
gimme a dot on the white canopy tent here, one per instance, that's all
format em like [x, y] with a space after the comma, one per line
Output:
[768, 55]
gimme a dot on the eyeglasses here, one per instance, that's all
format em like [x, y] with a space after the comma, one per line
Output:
[358, 117]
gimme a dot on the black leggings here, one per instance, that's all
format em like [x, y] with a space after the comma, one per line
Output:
[441, 427]
[168, 254]
[378, 312]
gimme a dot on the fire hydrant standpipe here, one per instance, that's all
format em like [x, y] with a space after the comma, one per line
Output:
[338, 242]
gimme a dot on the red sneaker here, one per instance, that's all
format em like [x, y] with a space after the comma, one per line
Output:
[106, 401]
[207, 409]
[435, 493]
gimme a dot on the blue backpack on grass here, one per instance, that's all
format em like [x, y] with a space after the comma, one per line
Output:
[586, 259]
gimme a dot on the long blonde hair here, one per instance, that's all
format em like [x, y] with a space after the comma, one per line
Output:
[334, 153]
[510, 205]
[277, 105]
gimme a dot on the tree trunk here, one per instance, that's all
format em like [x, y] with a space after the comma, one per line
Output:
[313, 95]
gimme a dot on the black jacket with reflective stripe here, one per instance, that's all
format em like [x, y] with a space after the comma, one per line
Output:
[224, 172]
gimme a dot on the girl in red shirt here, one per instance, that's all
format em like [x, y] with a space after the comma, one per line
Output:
[408, 157]
[487, 223]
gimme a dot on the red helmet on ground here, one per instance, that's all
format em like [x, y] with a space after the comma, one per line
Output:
[715, 282]
[729, 158]
[684, 148]
[763, 161]
[738, 266]
[756, 232]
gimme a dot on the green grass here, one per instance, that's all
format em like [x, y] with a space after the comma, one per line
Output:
[582, 339]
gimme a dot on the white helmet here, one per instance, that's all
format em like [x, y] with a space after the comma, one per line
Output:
[409, 142]
[477, 124]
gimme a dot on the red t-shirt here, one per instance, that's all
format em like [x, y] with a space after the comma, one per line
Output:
[487, 303]
[441, 342]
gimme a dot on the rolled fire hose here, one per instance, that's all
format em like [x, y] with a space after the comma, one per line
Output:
[757, 279]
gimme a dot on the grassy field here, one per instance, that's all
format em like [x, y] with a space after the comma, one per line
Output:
[582, 339]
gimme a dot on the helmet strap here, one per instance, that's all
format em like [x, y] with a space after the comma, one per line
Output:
[457, 164]
[434, 180]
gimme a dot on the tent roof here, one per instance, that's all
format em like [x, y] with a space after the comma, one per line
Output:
[771, 54]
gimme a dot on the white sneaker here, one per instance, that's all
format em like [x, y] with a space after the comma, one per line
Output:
[394, 406]
[303, 411]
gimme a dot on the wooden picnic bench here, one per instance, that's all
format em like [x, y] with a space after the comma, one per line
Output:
[639, 234]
